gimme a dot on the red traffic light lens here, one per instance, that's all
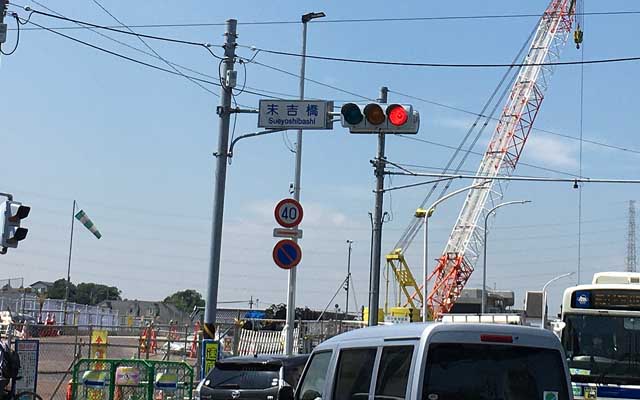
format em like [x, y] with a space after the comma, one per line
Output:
[374, 114]
[397, 115]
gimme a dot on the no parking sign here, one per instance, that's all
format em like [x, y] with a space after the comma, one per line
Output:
[287, 254]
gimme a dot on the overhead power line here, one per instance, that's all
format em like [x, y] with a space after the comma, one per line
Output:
[443, 65]
[462, 110]
[170, 65]
[140, 35]
[482, 155]
[146, 64]
[338, 59]
[516, 178]
[354, 20]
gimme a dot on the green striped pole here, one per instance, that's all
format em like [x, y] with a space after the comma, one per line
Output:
[86, 221]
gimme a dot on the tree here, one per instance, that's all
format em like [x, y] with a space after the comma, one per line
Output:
[276, 311]
[94, 293]
[85, 293]
[58, 290]
[185, 300]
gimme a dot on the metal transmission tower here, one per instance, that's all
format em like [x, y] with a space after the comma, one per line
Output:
[523, 103]
[631, 238]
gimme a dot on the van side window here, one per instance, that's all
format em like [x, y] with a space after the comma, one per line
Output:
[353, 377]
[312, 385]
[393, 373]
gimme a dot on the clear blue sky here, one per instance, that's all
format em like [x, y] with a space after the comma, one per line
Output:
[133, 146]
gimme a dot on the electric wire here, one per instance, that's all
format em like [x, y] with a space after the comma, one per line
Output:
[482, 155]
[122, 56]
[444, 65]
[131, 33]
[200, 85]
[253, 61]
[414, 226]
[96, 31]
[17, 37]
[419, 99]
[355, 20]
[207, 47]
[113, 53]
[462, 110]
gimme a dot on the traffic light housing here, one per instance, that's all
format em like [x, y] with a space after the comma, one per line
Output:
[12, 232]
[380, 118]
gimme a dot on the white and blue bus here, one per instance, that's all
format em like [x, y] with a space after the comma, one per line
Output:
[601, 336]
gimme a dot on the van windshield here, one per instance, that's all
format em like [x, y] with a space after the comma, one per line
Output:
[457, 371]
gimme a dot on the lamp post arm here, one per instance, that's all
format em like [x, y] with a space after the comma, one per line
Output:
[248, 135]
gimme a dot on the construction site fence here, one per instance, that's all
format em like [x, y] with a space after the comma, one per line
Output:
[64, 313]
[130, 379]
[62, 346]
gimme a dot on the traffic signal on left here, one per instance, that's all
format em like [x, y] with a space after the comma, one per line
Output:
[12, 232]
[380, 118]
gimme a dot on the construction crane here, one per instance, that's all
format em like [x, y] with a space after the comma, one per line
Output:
[465, 243]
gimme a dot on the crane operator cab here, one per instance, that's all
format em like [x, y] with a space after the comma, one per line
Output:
[438, 362]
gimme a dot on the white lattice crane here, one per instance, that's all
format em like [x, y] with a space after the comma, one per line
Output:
[463, 247]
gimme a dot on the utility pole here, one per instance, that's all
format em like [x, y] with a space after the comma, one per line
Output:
[346, 306]
[224, 113]
[4, 5]
[374, 273]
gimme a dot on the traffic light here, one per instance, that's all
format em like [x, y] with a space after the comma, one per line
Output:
[12, 233]
[380, 118]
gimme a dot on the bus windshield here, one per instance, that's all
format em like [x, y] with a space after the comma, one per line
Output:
[602, 348]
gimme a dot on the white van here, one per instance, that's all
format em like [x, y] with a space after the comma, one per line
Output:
[438, 361]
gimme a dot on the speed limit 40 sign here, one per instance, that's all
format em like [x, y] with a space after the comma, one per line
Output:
[288, 213]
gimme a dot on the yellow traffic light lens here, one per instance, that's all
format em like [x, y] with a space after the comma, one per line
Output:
[374, 114]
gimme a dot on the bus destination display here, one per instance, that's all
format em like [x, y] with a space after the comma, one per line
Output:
[607, 299]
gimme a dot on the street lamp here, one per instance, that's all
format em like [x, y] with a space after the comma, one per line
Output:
[426, 214]
[291, 286]
[544, 296]
[484, 259]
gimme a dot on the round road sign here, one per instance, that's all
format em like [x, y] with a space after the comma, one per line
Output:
[288, 213]
[287, 254]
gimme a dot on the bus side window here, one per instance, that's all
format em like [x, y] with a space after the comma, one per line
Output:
[313, 382]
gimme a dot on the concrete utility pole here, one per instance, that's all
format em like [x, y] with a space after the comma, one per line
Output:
[224, 113]
[291, 285]
[346, 306]
[374, 273]
[4, 4]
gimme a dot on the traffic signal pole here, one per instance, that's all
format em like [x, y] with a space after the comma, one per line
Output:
[224, 113]
[374, 273]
